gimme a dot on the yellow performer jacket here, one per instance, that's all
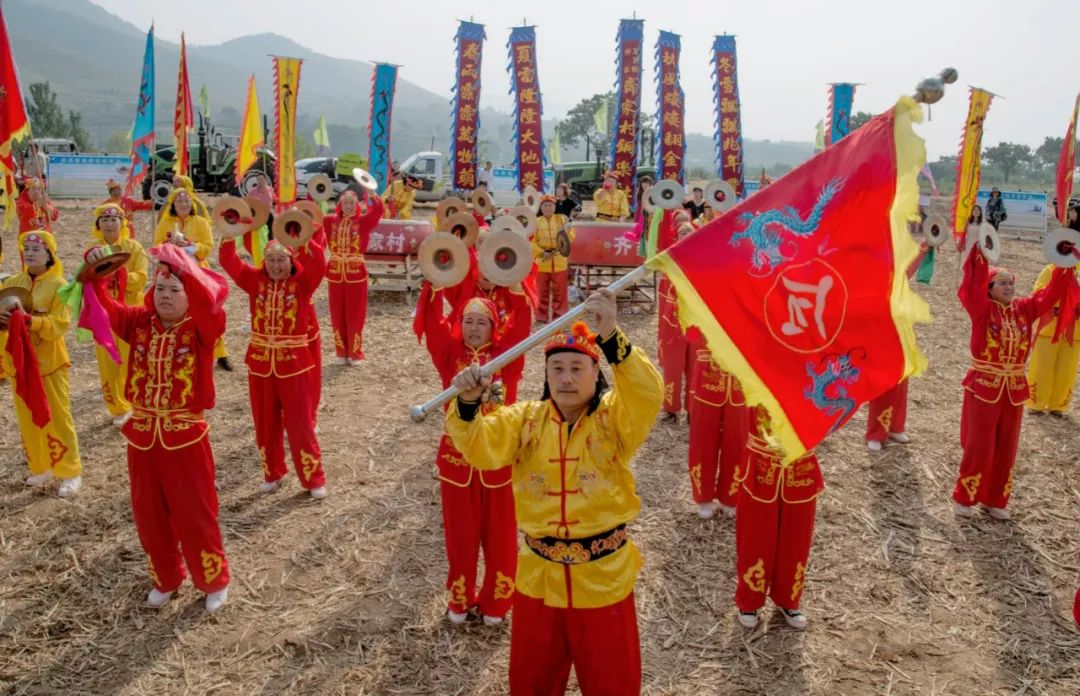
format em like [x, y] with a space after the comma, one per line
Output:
[545, 240]
[401, 197]
[571, 482]
[1047, 331]
[49, 321]
[612, 203]
[195, 228]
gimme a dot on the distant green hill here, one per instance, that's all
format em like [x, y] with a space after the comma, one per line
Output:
[93, 60]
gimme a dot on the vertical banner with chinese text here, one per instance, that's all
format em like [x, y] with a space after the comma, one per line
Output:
[969, 163]
[466, 116]
[729, 143]
[841, 99]
[528, 109]
[383, 85]
[1066, 167]
[624, 139]
[671, 109]
[183, 114]
[286, 91]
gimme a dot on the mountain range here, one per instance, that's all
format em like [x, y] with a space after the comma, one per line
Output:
[93, 60]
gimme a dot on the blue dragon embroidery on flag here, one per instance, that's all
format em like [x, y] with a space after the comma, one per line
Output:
[765, 230]
[836, 372]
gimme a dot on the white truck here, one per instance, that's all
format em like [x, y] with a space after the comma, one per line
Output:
[430, 168]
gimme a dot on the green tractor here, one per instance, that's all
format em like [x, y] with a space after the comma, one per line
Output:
[585, 178]
[211, 166]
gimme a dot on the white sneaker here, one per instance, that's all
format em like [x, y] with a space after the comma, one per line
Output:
[962, 510]
[492, 620]
[456, 618]
[998, 513]
[902, 438]
[727, 511]
[705, 511]
[216, 600]
[39, 480]
[795, 618]
[69, 487]
[120, 420]
[341, 361]
[269, 486]
[748, 619]
[158, 599]
[316, 428]
[873, 445]
[318, 493]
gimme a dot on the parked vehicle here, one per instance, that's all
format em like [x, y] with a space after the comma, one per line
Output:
[310, 166]
[430, 168]
[585, 178]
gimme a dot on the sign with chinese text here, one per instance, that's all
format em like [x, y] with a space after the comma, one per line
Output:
[729, 144]
[624, 139]
[466, 119]
[969, 163]
[528, 137]
[286, 91]
[671, 109]
[604, 244]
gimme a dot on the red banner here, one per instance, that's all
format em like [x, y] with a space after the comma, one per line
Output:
[671, 140]
[729, 143]
[183, 116]
[628, 105]
[528, 109]
[463, 143]
[605, 244]
[1066, 167]
[801, 290]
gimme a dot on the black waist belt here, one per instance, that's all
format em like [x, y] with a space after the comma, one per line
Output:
[576, 551]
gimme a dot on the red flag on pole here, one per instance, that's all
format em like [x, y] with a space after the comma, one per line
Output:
[13, 122]
[1066, 167]
[184, 115]
[801, 289]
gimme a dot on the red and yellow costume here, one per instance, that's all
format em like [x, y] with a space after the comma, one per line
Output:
[478, 506]
[128, 204]
[774, 522]
[280, 366]
[198, 207]
[347, 276]
[574, 495]
[398, 200]
[995, 388]
[35, 215]
[1052, 373]
[55, 447]
[611, 204]
[719, 425]
[553, 272]
[170, 464]
[125, 286]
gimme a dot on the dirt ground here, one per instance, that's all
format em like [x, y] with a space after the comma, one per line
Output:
[345, 596]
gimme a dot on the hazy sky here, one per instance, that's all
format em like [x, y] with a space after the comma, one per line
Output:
[789, 50]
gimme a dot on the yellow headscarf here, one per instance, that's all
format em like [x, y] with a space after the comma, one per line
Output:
[46, 238]
[197, 206]
[97, 234]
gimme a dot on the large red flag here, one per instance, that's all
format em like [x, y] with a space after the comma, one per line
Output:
[184, 115]
[13, 122]
[801, 289]
[1066, 166]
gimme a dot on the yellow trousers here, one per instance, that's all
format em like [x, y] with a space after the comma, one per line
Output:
[1052, 374]
[54, 447]
[220, 351]
[113, 377]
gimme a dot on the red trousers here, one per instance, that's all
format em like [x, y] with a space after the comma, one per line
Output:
[717, 446]
[677, 363]
[556, 285]
[888, 414]
[348, 309]
[280, 405]
[772, 551]
[602, 644]
[315, 346]
[175, 506]
[989, 436]
[476, 517]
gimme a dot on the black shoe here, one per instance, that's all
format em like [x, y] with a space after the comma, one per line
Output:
[224, 364]
[669, 417]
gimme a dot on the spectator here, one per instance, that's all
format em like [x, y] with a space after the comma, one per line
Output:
[485, 174]
[564, 204]
[995, 208]
[696, 205]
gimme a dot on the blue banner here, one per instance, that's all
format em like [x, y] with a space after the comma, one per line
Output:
[142, 132]
[841, 99]
[383, 84]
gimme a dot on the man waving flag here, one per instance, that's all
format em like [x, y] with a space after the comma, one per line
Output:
[801, 290]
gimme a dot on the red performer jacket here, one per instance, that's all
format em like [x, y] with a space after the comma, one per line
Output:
[170, 379]
[450, 356]
[767, 479]
[708, 383]
[347, 239]
[280, 310]
[1001, 334]
[35, 216]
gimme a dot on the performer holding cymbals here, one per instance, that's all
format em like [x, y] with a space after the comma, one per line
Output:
[551, 249]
